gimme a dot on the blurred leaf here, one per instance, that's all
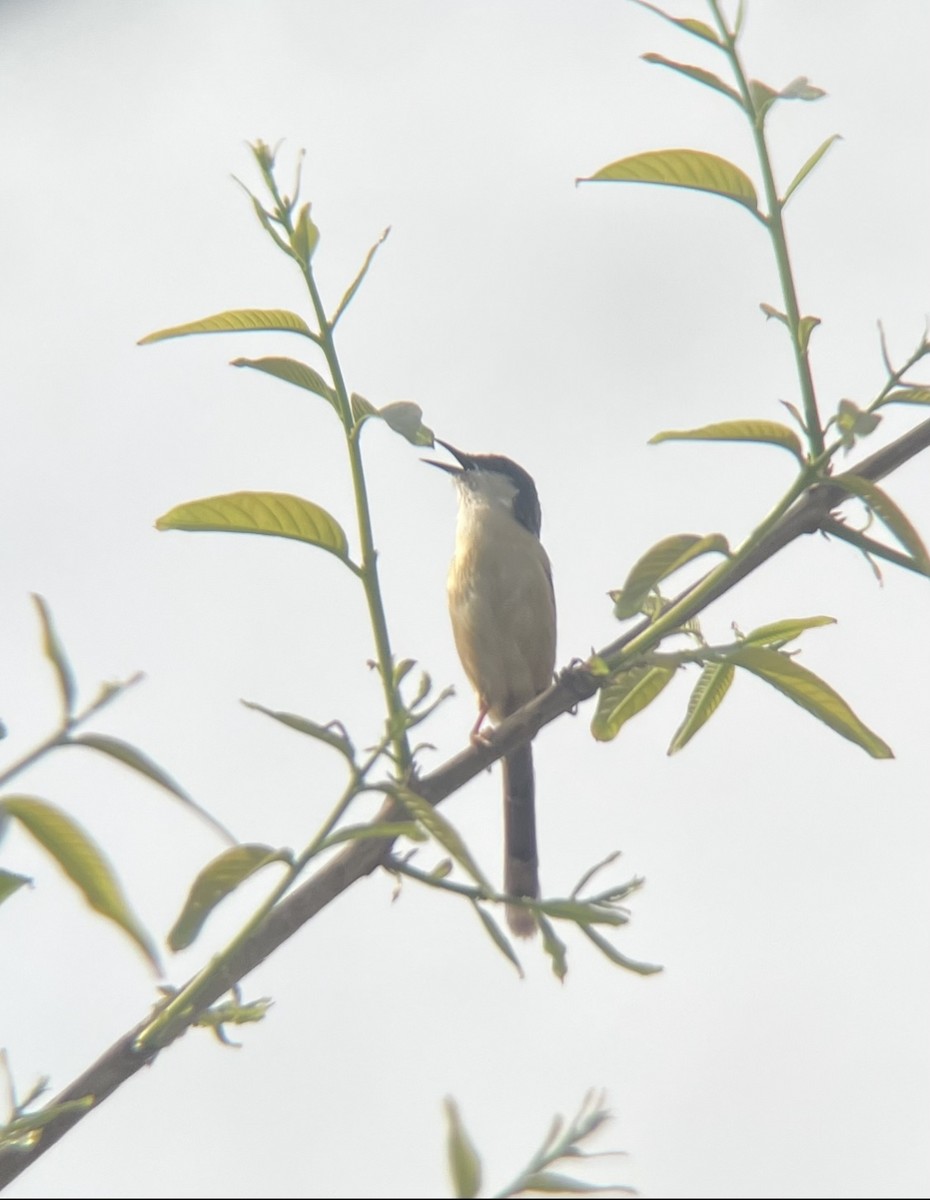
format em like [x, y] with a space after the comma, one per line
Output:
[705, 699]
[692, 169]
[811, 693]
[806, 326]
[809, 166]
[333, 734]
[554, 947]
[214, 883]
[273, 513]
[464, 1163]
[662, 560]
[708, 78]
[801, 89]
[305, 237]
[357, 281]
[10, 882]
[785, 630]
[688, 24]
[55, 653]
[443, 831]
[766, 432]
[583, 913]
[292, 371]
[892, 517]
[620, 960]
[405, 418]
[83, 862]
[361, 408]
[375, 829]
[908, 395]
[556, 1184]
[774, 313]
[498, 937]
[626, 696]
[131, 757]
[237, 320]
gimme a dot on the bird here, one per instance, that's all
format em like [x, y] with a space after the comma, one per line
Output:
[502, 606]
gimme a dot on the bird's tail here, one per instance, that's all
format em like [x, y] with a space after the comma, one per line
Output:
[521, 865]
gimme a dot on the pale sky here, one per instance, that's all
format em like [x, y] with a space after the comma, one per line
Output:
[784, 1050]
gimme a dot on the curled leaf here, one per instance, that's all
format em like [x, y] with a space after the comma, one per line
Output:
[214, 883]
[694, 169]
[292, 371]
[771, 433]
[660, 561]
[625, 696]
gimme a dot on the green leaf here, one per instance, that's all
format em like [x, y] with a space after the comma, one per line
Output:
[801, 89]
[811, 693]
[908, 395]
[131, 757]
[83, 862]
[236, 320]
[357, 281]
[275, 514]
[498, 937]
[10, 882]
[214, 883]
[708, 78]
[784, 631]
[762, 96]
[292, 371]
[583, 913]
[554, 1183]
[888, 513]
[464, 1163]
[305, 237]
[406, 418]
[332, 734]
[361, 408]
[692, 169]
[620, 960]
[626, 696]
[809, 166]
[765, 432]
[376, 829]
[443, 831]
[554, 947]
[688, 24]
[806, 326]
[55, 653]
[659, 562]
[708, 694]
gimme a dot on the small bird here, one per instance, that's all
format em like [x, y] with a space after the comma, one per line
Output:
[503, 619]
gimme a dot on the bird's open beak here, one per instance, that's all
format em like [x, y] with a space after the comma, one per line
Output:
[464, 459]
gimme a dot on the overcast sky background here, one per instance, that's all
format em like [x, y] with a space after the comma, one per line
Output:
[785, 1048]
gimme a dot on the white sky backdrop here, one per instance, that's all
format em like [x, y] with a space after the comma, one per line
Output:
[784, 1051]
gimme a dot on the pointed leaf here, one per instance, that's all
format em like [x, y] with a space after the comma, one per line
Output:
[275, 514]
[131, 757]
[564, 1185]
[214, 883]
[781, 632]
[554, 947]
[626, 696]
[806, 326]
[659, 562]
[464, 1163]
[376, 829]
[889, 514]
[83, 862]
[767, 432]
[292, 371]
[10, 882]
[333, 734]
[498, 937]
[236, 320]
[811, 693]
[708, 694]
[693, 169]
[775, 313]
[611, 952]
[357, 281]
[688, 24]
[908, 395]
[55, 653]
[809, 166]
[361, 408]
[443, 831]
[708, 78]
[305, 237]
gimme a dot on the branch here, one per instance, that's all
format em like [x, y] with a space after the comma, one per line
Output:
[118, 1064]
